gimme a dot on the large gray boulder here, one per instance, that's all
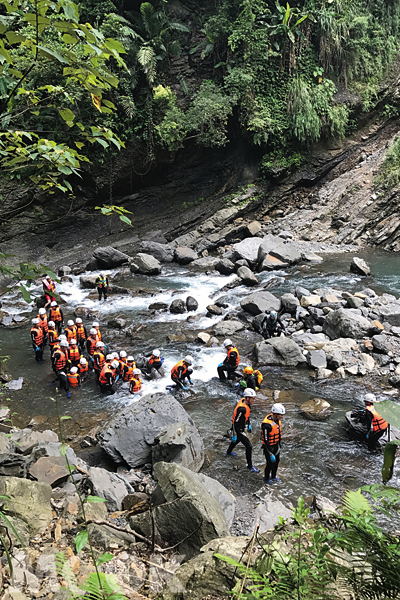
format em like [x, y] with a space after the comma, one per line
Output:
[289, 303]
[267, 243]
[390, 313]
[344, 323]
[247, 250]
[177, 306]
[225, 499]
[162, 252]
[360, 267]
[259, 302]
[28, 501]
[180, 443]
[109, 486]
[26, 439]
[286, 252]
[109, 257]
[247, 276]
[228, 328]
[184, 255]
[130, 435]
[279, 351]
[145, 264]
[225, 266]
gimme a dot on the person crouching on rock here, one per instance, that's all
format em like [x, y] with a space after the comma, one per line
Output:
[241, 420]
[376, 426]
[102, 285]
[271, 435]
[227, 369]
[108, 377]
[271, 325]
[182, 371]
[135, 384]
[155, 361]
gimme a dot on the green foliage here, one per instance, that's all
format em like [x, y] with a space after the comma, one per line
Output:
[275, 164]
[389, 175]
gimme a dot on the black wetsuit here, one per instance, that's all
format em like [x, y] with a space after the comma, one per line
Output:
[239, 425]
[271, 327]
[228, 368]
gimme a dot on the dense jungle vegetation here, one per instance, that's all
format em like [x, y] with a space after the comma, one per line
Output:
[80, 81]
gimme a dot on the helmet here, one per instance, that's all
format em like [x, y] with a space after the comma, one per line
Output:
[109, 357]
[115, 364]
[95, 324]
[70, 323]
[73, 342]
[54, 303]
[188, 359]
[63, 336]
[137, 372]
[74, 370]
[156, 352]
[102, 274]
[122, 354]
[64, 343]
[249, 393]
[35, 321]
[370, 398]
[273, 314]
[51, 324]
[42, 311]
[93, 331]
[99, 344]
[228, 343]
[48, 277]
[78, 320]
[248, 371]
[115, 355]
[83, 361]
[130, 359]
[278, 409]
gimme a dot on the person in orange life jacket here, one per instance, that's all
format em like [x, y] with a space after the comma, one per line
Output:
[128, 368]
[271, 434]
[49, 287]
[74, 354]
[375, 424]
[135, 384]
[182, 371]
[55, 349]
[81, 333]
[91, 342]
[83, 369]
[56, 315]
[63, 382]
[102, 285]
[155, 361]
[43, 323]
[60, 357]
[70, 331]
[99, 359]
[37, 340]
[96, 326]
[52, 335]
[73, 377]
[226, 370]
[108, 377]
[115, 356]
[122, 360]
[241, 420]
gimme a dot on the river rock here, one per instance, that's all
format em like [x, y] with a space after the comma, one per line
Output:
[213, 309]
[117, 323]
[27, 439]
[267, 243]
[317, 359]
[177, 306]
[259, 302]
[110, 486]
[390, 313]
[184, 255]
[180, 443]
[225, 266]
[63, 271]
[355, 302]
[340, 323]
[270, 263]
[29, 501]
[247, 249]
[191, 304]
[278, 351]
[241, 263]
[15, 384]
[108, 257]
[272, 506]
[228, 328]
[145, 264]
[52, 449]
[162, 252]
[359, 266]
[381, 343]
[13, 465]
[310, 300]
[203, 337]
[286, 252]
[322, 373]
[130, 434]
[224, 498]
[247, 276]
[316, 409]
[334, 359]
[289, 303]
[50, 469]
[87, 282]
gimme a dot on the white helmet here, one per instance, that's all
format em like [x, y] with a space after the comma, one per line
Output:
[73, 342]
[369, 398]
[63, 336]
[70, 323]
[188, 359]
[83, 361]
[249, 393]
[95, 324]
[115, 364]
[156, 352]
[35, 321]
[99, 344]
[74, 370]
[42, 311]
[78, 320]
[115, 355]
[54, 303]
[64, 343]
[137, 372]
[228, 343]
[48, 277]
[51, 324]
[278, 409]
[122, 354]
[102, 274]
[93, 331]
[130, 359]
[109, 357]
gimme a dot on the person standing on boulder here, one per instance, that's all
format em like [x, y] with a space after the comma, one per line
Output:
[102, 285]
[227, 369]
[241, 420]
[271, 435]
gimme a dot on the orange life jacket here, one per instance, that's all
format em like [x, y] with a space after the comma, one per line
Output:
[70, 332]
[74, 353]
[237, 355]
[154, 361]
[80, 331]
[259, 377]
[55, 314]
[53, 337]
[61, 361]
[55, 348]
[241, 404]
[106, 369]
[83, 369]
[73, 379]
[43, 323]
[100, 361]
[378, 423]
[128, 372]
[38, 334]
[91, 345]
[135, 385]
[98, 336]
[174, 370]
[276, 431]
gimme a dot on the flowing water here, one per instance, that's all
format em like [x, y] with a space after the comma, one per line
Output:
[317, 457]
